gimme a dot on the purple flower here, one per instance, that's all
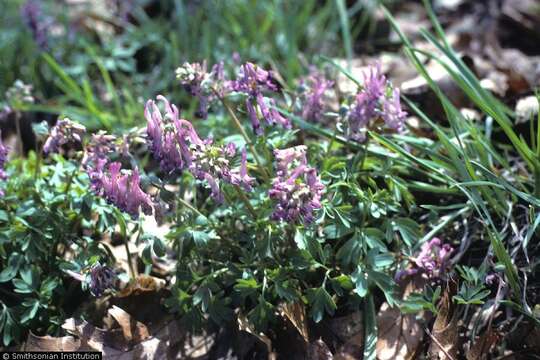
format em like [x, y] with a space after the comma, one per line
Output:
[124, 190]
[372, 103]
[393, 115]
[270, 114]
[100, 279]
[96, 156]
[201, 84]
[38, 24]
[240, 176]
[163, 137]
[315, 86]
[296, 188]
[65, 131]
[252, 113]
[175, 143]
[213, 164]
[431, 261]
[254, 82]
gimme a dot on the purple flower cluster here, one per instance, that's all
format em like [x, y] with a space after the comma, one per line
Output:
[313, 89]
[431, 261]
[120, 188]
[96, 156]
[34, 18]
[177, 146]
[101, 278]
[296, 188]
[124, 190]
[254, 82]
[201, 84]
[372, 103]
[65, 131]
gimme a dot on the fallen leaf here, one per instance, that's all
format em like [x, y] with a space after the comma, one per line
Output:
[49, 343]
[400, 335]
[142, 284]
[482, 346]
[96, 339]
[244, 325]
[133, 330]
[445, 332]
[350, 331]
[296, 314]
[318, 350]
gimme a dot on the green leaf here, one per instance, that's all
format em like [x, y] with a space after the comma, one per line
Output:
[359, 278]
[30, 313]
[408, 229]
[336, 231]
[261, 315]
[321, 302]
[14, 263]
[201, 238]
[285, 292]
[202, 296]
[370, 337]
[246, 287]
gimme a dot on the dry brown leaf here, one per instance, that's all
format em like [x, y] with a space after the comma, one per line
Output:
[350, 331]
[49, 343]
[244, 325]
[445, 332]
[143, 284]
[296, 314]
[400, 335]
[101, 340]
[132, 330]
[318, 350]
[482, 346]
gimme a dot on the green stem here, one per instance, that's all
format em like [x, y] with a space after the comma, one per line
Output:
[246, 202]
[246, 137]
[70, 181]
[129, 260]
[190, 207]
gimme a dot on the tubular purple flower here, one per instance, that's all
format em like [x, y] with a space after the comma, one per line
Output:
[253, 80]
[163, 137]
[35, 20]
[372, 103]
[65, 131]
[176, 144]
[297, 188]
[101, 278]
[315, 86]
[240, 176]
[270, 114]
[392, 113]
[124, 191]
[252, 113]
[96, 157]
[201, 84]
[431, 261]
